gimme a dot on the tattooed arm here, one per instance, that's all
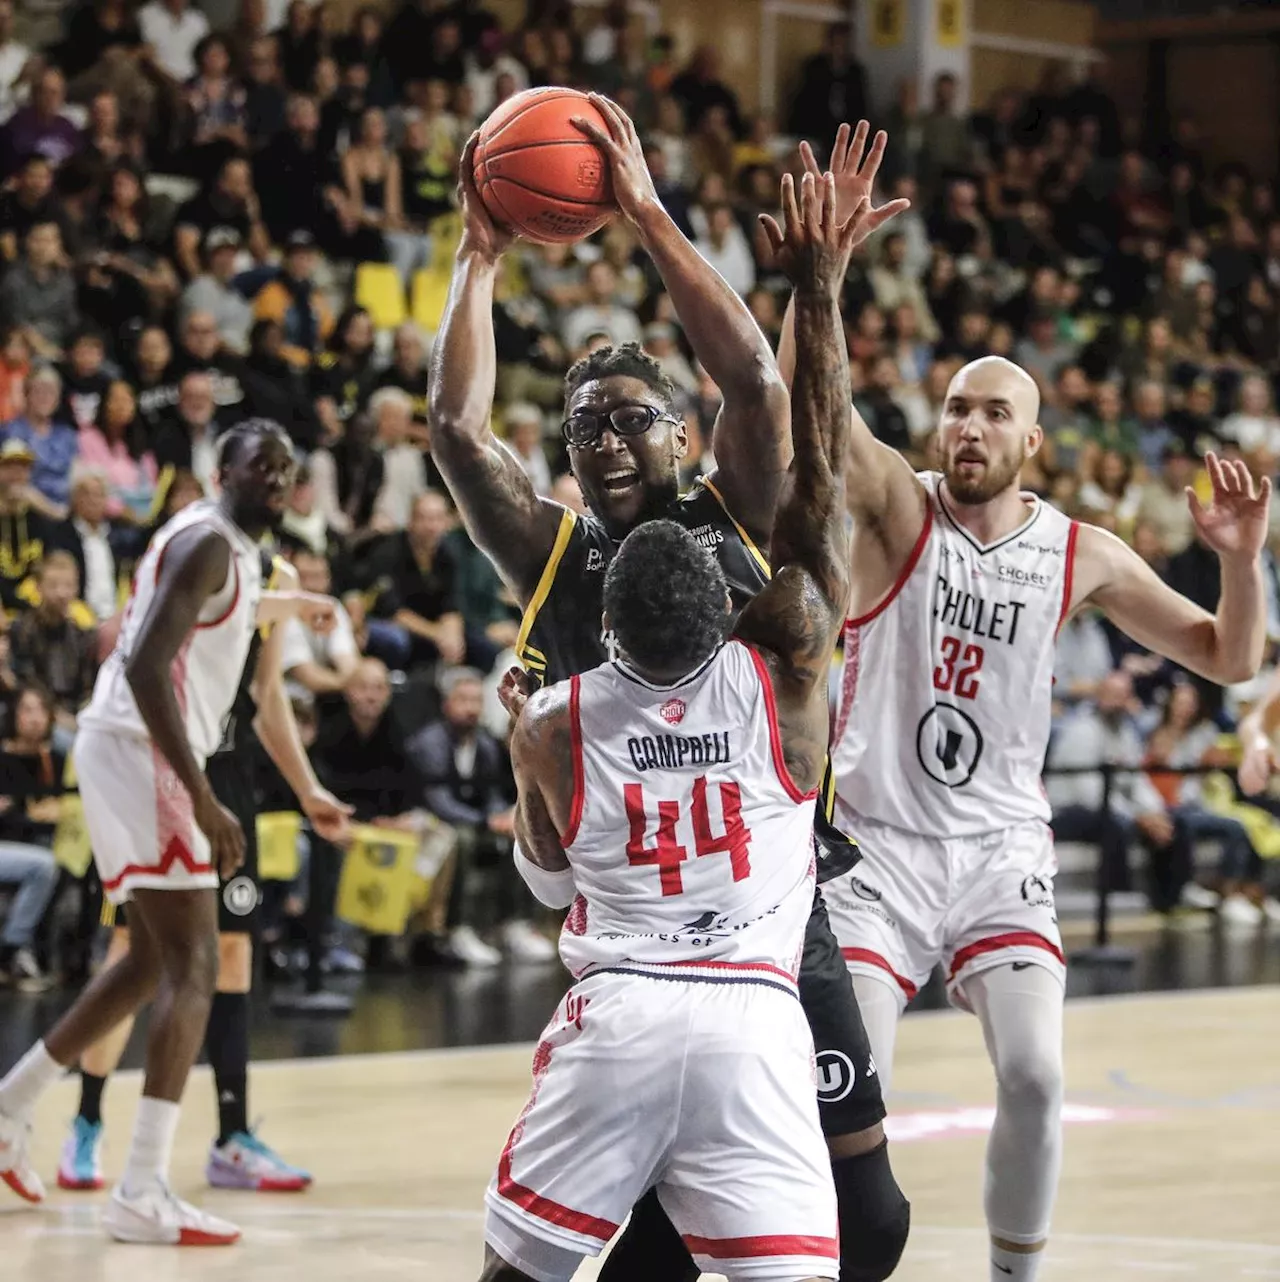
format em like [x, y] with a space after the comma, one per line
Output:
[542, 755]
[506, 519]
[797, 618]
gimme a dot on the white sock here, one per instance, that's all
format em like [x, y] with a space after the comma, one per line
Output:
[1011, 1266]
[151, 1146]
[27, 1080]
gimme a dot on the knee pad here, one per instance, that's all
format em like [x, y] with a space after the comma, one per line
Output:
[874, 1216]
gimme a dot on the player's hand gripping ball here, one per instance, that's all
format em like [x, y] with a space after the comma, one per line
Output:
[538, 174]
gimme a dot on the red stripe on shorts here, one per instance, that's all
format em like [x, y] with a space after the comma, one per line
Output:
[525, 1198]
[175, 852]
[1013, 939]
[874, 959]
[747, 1248]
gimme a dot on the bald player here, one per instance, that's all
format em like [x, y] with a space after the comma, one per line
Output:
[960, 584]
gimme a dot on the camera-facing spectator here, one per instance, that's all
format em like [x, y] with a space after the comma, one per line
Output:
[55, 646]
[39, 293]
[53, 444]
[316, 663]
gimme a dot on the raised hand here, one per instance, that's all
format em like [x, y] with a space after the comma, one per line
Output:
[633, 187]
[855, 169]
[812, 247]
[1235, 522]
[479, 232]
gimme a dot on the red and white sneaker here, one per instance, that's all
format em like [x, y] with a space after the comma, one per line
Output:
[15, 1169]
[157, 1216]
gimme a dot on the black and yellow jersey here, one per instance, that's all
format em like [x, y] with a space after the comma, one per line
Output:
[561, 634]
[239, 722]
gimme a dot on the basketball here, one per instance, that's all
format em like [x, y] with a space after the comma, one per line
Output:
[539, 175]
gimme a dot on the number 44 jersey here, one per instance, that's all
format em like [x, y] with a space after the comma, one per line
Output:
[689, 841]
[944, 711]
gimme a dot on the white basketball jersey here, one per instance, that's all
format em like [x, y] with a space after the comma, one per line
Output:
[689, 841]
[944, 710]
[207, 669]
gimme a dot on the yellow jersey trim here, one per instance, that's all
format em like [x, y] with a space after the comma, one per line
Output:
[535, 660]
[748, 542]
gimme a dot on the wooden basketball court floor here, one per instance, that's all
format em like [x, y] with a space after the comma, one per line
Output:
[1172, 1164]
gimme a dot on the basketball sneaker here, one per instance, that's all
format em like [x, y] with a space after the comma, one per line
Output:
[81, 1164]
[245, 1162]
[156, 1216]
[15, 1168]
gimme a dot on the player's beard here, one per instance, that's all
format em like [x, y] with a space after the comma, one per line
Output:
[997, 476]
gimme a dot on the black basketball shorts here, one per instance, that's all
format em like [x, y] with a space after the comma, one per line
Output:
[240, 897]
[849, 1096]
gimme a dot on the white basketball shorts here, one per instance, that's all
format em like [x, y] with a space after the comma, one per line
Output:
[698, 1081]
[967, 903]
[139, 817]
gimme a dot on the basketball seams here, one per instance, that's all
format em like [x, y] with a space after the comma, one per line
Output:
[599, 205]
[550, 95]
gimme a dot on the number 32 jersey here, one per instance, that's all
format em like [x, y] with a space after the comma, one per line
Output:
[688, 839]
[944, 710]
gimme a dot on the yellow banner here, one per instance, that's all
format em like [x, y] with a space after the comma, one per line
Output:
[949, 23]
[888, 19]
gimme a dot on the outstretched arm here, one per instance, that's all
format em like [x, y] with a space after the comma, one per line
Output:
[541, 755]
[884, 496]
[1224, 647]
[506, 519]
[796, 619]
[751, 441]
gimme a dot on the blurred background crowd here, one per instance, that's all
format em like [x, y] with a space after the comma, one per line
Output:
[208, 214]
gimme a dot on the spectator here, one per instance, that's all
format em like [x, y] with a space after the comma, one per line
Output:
[600, 313]
[174, 30]
[290, 298]
[524, 435]
[660, 342]
[200, 352]
[28, 202]
[418, 618]
[26, 533]
[470, 788]
[1163, 505]
[14, 60]
[40, 128]
[895, 285]
[116, 445]
[408, 368]
[348, 479]
[360, 754]
[404, 472]
[304, 525]
[374, 186]
[214, 291]
[15, 365]
[832, 88]
[699, 88]
[1043, 352]
[946, 146]
[53, 444]
[1104, 731]
[187, 438]
[152, 376]
[725, 247]
[30, 785]
[216, 104]
[230, 202]
[84, 379]
[315, 663]
[52, 649]
[265, 100]
[1254, 426]
[90, 542]
[39, 293]
[344, 374]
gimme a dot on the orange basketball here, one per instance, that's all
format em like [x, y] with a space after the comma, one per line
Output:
[537, 174]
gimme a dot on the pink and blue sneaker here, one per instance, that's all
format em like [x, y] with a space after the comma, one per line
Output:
[245, 1162]
[80, 1167]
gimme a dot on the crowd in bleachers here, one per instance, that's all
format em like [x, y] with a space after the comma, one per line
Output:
[212, 215]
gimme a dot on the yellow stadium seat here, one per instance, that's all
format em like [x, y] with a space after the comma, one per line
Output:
[429, 291]
[380, 293]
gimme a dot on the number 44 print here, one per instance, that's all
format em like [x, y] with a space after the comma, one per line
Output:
[667, 854]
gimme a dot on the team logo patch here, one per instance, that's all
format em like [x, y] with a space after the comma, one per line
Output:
[240, 895]
[948, 745]
[836, 1076]
[863, 891]
[1037, 891]
[672, 712]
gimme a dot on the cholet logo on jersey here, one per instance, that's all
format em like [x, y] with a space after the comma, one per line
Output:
[672, 712]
